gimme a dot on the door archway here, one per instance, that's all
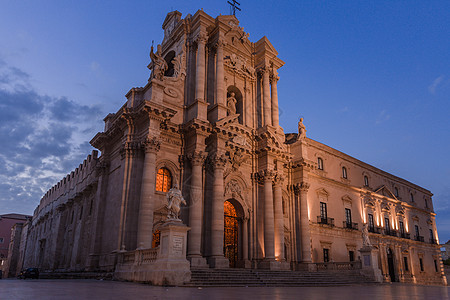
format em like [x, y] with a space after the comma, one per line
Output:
[230, 236]
[391, 268]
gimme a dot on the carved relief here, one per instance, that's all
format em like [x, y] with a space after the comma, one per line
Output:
[239, 65]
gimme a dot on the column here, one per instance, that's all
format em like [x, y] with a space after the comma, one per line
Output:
[266, 95]
[304, 220]
[275, 116]
[268, 216]
[200, 68]
[219, 74]
[196, 208]
[145, 221]
[279, 219]
[245, 238]
[217, 214]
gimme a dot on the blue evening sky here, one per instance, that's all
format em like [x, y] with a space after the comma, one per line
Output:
[370, 78]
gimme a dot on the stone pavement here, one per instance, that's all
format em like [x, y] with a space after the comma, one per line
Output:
[97, 289]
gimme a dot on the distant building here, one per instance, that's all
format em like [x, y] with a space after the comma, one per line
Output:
[445, 250]
[7, 223]
[208, 121]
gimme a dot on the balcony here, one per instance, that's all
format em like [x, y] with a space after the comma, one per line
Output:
[350, 225]
[325, 221]
[418, 238]
[375, 230]
[405, 235]
[391, 232]
[433, 241]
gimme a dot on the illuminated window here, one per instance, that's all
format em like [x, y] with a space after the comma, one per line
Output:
[366, 181]
[319, 164]
[163, 180]
[344, 172]
[156, 238]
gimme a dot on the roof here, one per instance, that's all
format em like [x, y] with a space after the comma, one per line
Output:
[16, 216]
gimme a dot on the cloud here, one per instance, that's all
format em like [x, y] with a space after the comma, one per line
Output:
[435, 84]
[42, 139]
[383, 116]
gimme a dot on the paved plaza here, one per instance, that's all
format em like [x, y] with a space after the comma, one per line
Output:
[97, 289]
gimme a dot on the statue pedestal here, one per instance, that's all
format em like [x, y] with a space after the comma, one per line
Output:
[369, 263]
[171, 266]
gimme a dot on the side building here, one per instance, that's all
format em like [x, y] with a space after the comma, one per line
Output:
[208, 121]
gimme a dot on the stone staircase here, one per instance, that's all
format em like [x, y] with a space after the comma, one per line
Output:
[246, 277]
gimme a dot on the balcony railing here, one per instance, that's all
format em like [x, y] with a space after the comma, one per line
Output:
[325, 221]
[392, 232]
[405, 235]
[375, 230]
[418, 238]
[350, 225]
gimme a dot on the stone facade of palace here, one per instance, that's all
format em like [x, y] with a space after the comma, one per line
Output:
[208, 121]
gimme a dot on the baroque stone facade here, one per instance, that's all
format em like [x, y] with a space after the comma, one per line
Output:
[208, 121]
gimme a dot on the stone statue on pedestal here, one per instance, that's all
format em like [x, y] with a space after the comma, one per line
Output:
[365, 236]
[174, 199]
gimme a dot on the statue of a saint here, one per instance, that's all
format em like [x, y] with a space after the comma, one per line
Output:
[174, 200]
[159, 63]
[365, 235]
[231, 104]
[301, 129]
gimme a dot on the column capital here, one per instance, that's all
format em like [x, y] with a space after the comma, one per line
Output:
[151, 144]
[301, 187]
[274, 79]
[220, 43]
[130, 148]
[267, 175]
[197, 158]
[218, 161]
[201, 38]
[278, 179]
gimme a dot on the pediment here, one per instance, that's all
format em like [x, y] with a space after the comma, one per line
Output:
[384, 191]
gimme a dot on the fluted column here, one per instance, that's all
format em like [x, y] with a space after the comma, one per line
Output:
[218, 163]
[304, 220]
[219, 74]
[200, 68]
[269, 225]
[196, 205]
[279, 219]
[267, 101]
[145, 221]
[275, 114]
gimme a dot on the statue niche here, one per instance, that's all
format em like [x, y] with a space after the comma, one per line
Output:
[235, 103]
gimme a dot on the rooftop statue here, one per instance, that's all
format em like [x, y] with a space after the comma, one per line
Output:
[159, 63]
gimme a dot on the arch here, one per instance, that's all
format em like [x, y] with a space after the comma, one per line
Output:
[172, 167]
[235, 190]
[239, 101]
[163, 180]
[170, 67]
[232, 230]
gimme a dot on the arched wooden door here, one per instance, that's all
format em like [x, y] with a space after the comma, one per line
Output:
[230, 236]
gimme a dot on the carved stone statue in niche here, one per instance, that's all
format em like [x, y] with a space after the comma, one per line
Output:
[159, 63]
[231, 104]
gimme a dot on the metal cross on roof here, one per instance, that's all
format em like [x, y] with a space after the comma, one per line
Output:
[233, 6]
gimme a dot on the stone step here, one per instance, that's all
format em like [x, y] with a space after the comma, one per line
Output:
[244, 277]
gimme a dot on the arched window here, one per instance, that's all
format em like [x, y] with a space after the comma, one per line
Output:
[156, 238]
[163, 180]
[366, 181]
[320, 163]
[412, 197]
[344, 172]
[170, 68]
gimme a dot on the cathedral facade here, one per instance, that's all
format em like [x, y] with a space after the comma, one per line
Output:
[208, 122]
